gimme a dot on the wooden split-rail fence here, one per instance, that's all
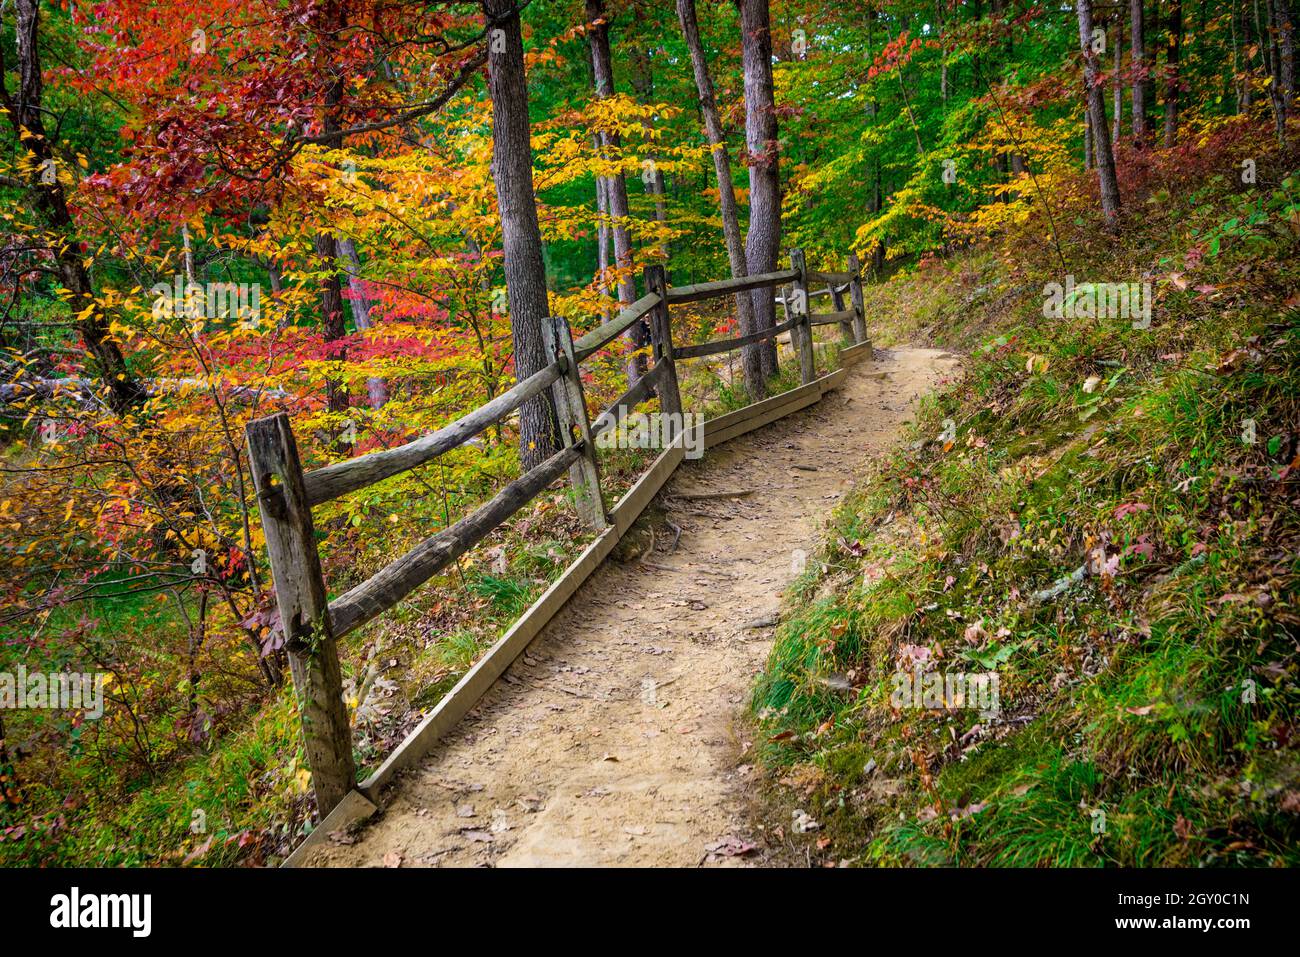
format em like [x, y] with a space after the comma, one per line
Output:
[286, 495]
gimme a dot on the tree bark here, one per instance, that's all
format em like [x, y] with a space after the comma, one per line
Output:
[1141, 70]
[1173, 54]
[376, 388]
[1240, 70]
[751, 357]
[1268, 36]
[1285, 29]
[521, 237]
[638, 334]
[331, 21]
[1118, 86]
[1087, 135]
[1103, 155]
[763, 241]
[333, 325]
[26, 116]
[602, 234]
[643, 84]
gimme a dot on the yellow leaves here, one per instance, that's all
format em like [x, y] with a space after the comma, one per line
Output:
[121, 331]
[1037, 363]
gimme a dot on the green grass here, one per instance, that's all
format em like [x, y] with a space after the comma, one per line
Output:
[1147, 714]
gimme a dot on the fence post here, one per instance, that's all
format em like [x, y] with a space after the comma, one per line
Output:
[571, 410]
[847, 335]
[304, 611]
[855, 290]
[661, 336]
[801, 331]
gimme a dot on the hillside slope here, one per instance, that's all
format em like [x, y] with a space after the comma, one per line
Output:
[1100, 515]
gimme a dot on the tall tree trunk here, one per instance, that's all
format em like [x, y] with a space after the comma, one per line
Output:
[751, 358]
[188, 246]
[1240, 70]
[1087, 135]
[1104, 156]
[1140, 69]
[1271, 41]
[602, 235]
[333, 324]
[1284, 26]
[521, 238]
[1173, 55]
[876, 198]
[376, 388]
[1118, 115]
[877, 204]
[643, 84]
[638, 334]
[332, 19]
[763, 241]
[27, 117]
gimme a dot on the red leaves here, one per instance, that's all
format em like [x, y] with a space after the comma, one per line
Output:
[897, 53]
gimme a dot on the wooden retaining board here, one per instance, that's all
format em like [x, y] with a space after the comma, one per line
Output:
[725, 423]
[471, 687]
[762, 418]
[735, 424]
[354, 807]
[856, 353]
[364, 802]
[461, 699]
[632, 504]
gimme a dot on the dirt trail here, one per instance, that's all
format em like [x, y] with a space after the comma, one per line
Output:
[617, 738]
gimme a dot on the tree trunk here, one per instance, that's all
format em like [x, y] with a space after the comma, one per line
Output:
[376, 388]
[763, 241]
[333, 325]
[638, 334]
[188, 247]
[521, 238]
[1104, 156]
[1240, 70]
[27, 118]
[332, 19]
[751, 357]
[1118, 117]
[1141, 70]
[877, 204]
[1087, 136]
[602, 235]
[1172, 79]
[1285, 29]
[643, 84]
[1272, 65]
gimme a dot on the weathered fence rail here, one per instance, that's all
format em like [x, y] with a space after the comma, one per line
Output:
[286, 495]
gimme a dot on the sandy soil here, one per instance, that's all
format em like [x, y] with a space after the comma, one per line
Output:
[619, 737]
